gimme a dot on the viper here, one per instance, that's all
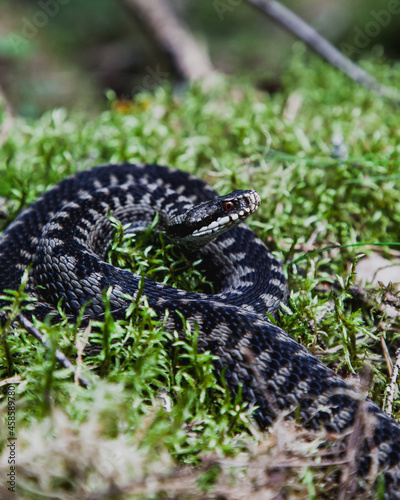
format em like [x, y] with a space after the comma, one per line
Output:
[63, 239]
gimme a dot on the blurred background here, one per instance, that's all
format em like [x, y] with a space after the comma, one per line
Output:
[71, 52]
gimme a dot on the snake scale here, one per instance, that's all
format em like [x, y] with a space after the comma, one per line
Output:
[66, 233]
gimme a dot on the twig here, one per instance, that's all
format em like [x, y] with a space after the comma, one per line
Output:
[16, 379]
[391, 387]
[8, 121]
[386, 354]
[361, 432]
[293, 23]
[61, 358]
[80, 346]
[174, 38]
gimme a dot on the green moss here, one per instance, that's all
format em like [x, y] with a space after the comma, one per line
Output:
[233, 137]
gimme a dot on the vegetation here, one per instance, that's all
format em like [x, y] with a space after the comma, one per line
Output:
[155, 407]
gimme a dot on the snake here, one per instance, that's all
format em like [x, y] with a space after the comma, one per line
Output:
[61, 241]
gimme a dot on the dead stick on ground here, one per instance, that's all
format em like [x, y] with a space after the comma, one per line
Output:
[293, 23]
[393, 381]
[173, 37]
[8, 121]
[61, 358]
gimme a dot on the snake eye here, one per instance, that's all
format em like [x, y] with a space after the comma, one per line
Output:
[229, 206]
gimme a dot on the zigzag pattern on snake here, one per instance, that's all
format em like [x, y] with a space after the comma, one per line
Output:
[66, 232]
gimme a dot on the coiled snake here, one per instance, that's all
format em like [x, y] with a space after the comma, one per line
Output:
[66, 232]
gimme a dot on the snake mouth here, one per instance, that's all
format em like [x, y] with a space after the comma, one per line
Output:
[204, 222]
[236, 206]
[222, 223]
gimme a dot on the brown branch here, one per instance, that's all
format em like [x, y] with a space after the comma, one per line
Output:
[361, 432]
[61, 358]
[8, 121]
[294, 24]
[393, 382]
[173, 37]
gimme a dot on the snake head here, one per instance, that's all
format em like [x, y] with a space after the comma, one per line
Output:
[205, 221]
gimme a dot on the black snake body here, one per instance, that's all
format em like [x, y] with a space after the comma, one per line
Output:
[65, 234]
